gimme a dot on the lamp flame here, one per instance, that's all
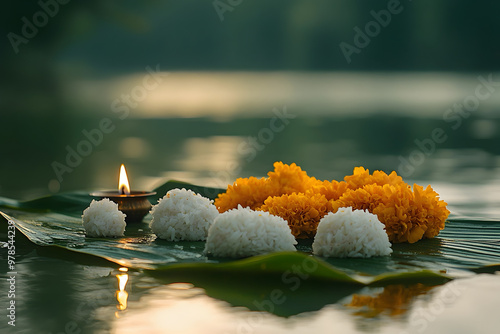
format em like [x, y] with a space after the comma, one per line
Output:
[123, 185]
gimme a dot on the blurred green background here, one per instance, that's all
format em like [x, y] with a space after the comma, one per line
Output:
[206, 91]
[77, 76]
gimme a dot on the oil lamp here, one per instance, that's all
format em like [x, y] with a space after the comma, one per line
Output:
[134, 204]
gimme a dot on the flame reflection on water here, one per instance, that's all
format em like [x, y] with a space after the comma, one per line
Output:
[121, 294]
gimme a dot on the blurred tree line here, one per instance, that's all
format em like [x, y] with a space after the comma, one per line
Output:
[92, 38]
[116, 36]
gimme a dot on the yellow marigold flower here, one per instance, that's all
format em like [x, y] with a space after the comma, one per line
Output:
[290, 193]
[331, 189]
[303, 212]
[428, 208]
[408, 216]
[361, 177]
[252, 192]
[289, 178]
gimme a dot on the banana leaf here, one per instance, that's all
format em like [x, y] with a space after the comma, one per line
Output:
[53, 225]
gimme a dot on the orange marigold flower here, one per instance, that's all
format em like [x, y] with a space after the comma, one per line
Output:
[331, 189]
[408, 216]
[303, 212]
[289, 178]
[290, 193]
[361, 177]
[427, 207]
[252, 192]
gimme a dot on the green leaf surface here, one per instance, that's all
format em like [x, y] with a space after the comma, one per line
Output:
[54, 224]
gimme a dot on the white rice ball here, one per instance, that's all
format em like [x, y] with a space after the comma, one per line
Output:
[183, 215]
[243, 232]
[348, 233]
[103, 219]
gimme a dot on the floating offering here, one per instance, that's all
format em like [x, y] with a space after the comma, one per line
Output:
[183, 215]
[349, 233]
[408, 215]
[103, 219]
[244, 232]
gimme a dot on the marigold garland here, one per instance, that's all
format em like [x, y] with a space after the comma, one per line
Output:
[290, 193]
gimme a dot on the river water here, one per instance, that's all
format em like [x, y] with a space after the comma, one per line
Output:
[209, 129]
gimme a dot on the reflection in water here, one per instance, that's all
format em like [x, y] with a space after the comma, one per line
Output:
[462, 306]
[213, 161]
[121, 294]
[209, 154]
[235, 94]
[174, 308]
[393, 300]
